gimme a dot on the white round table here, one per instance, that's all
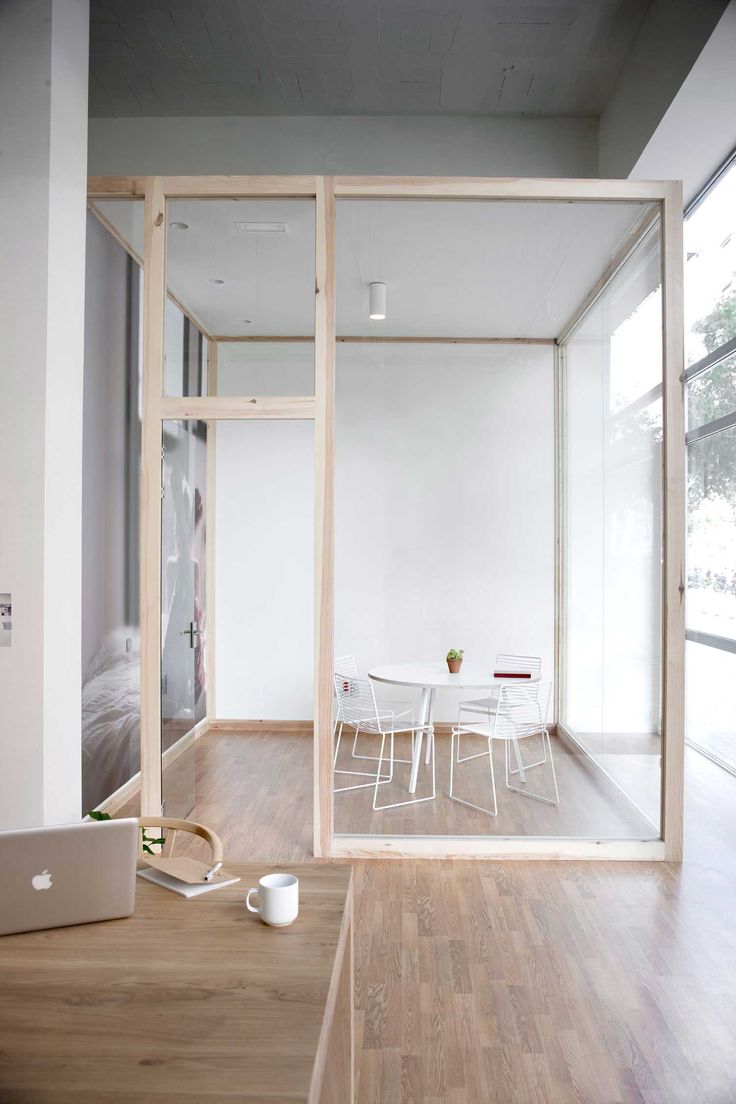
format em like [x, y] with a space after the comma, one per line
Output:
[431, 677]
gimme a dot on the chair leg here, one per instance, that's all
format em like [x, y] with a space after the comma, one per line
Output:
[476, 755]
[461, 800]
[355, 741]
[528, 793]
[530, 766]
[337, 743]
[357, 773]
[380, 764]
[411, 801]
[373, 758]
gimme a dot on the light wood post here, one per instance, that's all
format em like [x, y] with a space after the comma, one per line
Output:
[560, 670]
[324, 399]
[151, 436]
[673, 665]
[210, 537]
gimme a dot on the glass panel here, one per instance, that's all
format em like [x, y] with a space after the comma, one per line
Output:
[445, 507]
[264, 567]
[614, 531]
[711, 701]
[265, 368]
[712, 394]
[110, 518]
[710, 270]
[711, 553]
[182, 603]
[125, 218]
[241, 268]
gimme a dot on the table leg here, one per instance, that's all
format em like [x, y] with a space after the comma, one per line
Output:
[519, 764]
[430, 740]
[425, 712]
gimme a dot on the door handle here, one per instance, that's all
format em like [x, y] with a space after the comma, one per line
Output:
[191, 632]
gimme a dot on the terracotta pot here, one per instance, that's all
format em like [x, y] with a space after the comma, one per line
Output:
[454, 665]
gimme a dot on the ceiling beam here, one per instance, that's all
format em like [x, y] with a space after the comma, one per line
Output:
[384, 339]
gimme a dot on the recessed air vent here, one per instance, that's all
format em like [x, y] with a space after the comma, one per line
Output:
[261, 227]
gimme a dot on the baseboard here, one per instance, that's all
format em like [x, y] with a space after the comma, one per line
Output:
[495, 847]
[568, 738]
[302, 728]
[129, 789]
[444, 728]
[121, 796]
[248, 725]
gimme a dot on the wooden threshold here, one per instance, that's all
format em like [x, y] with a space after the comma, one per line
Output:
[490, 847]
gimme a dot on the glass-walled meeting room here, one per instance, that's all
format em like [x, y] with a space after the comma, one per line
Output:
[479, 402]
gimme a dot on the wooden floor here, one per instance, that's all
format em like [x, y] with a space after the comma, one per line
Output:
[518, 982]
[590, 805]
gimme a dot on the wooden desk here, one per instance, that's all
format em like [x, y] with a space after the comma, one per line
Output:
[188, 1000]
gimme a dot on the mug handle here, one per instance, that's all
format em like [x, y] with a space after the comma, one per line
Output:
[248, 905]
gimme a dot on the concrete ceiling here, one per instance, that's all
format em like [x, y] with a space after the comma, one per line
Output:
[296, 57]
[465, 269]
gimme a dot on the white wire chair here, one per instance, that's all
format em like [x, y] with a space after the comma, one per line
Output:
[358, 708]
[347, 667]
[513, 665]
[521, 712]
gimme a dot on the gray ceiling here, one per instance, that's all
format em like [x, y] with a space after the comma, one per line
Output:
[297, 57]
[464, 268]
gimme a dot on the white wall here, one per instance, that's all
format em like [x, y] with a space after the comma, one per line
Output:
[699, 129]
[426, 145]
[669, 41]
[265, 368]
[444, 521]
[264, 563]
[444, 504]
[43, 133]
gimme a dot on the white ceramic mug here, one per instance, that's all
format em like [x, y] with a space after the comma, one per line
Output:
[279, 899]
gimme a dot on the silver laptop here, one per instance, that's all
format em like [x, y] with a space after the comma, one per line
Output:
[73, 874]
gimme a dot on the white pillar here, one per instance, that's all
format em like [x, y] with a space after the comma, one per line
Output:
[43, 154]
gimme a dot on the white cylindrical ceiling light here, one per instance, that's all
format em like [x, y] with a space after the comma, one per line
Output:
[377, 301]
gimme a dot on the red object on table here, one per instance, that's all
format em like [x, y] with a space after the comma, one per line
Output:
[512, 674]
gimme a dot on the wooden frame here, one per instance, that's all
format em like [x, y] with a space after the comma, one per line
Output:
[674, 538]
[669, 212]
[320, 408]
[157, 408]
[381, 339]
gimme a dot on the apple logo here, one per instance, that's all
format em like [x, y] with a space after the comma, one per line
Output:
[41, 881]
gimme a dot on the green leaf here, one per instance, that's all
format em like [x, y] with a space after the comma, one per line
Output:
[95, 814]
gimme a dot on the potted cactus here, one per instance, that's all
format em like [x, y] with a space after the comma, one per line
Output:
[454, 660]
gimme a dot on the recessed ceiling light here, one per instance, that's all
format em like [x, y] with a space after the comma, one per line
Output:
[179, 225]
[261, 227]
[216, 280]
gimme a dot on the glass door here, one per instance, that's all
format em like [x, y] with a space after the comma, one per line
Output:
[182, 606]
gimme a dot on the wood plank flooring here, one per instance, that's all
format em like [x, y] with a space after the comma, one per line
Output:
[518, 982]
[590, 805]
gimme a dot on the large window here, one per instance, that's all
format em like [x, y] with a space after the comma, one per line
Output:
[710, 312]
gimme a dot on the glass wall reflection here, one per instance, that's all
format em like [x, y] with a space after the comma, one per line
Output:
[445, 520]
[110, 519]
[613, 546]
